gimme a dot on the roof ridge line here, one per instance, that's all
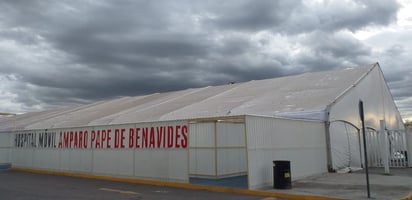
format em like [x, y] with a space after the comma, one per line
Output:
[162, 102]
[352, 86]
[211, 97]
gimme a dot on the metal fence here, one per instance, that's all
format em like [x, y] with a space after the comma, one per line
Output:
[391, 141]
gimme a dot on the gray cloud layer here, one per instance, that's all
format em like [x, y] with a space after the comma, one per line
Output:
[56, 53]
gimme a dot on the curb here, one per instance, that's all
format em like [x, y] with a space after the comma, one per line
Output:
[177, 185]
[409, 197]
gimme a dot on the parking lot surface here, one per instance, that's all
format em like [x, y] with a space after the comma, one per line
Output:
[26, 186]
[21, 185]
[396, 185]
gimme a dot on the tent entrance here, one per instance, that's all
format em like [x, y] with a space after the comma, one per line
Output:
[348, 151]
[346, 146]
[217, 153]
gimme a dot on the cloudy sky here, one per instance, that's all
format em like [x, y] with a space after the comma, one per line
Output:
[62, 53]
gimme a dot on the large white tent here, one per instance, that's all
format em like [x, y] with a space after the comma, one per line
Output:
[304, 96]
[311, 119]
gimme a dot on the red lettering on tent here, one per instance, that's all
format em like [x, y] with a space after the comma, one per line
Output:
[60, 140]
[164, 136]
[131, 138]
[71, 139]
[145, 132]
[103, 137]
[92, 141]
[169, 136]
[184, 134]
[116, 138]
[80, 139]
[122, 137]
[159, 136]
[177, 145]
[137, 137]
[97, 144]
[85, 138]
[152, 138]
[140, 137]
[76, 138]
[108, 138]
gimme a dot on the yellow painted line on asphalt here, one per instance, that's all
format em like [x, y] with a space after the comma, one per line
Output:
[179, 185]
[119, 191]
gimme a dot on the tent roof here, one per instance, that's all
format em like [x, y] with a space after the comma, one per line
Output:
[301, 96]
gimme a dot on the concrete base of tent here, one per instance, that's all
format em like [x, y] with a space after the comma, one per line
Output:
[5, 166]
[239, 182]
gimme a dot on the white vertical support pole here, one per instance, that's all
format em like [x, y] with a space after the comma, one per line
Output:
[402, 136]
[394, 141]
[385, 148]
[216, 148]
[409, 145]
[11, 146]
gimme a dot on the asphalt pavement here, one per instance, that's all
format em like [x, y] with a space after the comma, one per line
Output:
[396, 185]
[27, 186]
[17, 185]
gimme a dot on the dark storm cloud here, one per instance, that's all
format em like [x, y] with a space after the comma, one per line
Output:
[337, 45]
[402, 85]
[394, 53]
[23, 13]
[21, 35]
[294, 17]
[328, 51]
[354, 15]
[92, 49]
[68, 52]
[252, 15]
[239, 74]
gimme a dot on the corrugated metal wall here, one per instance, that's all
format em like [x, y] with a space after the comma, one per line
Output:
[155, 151]
[231, 149]
[268, 139]
[148, 151]
[5, 148]
[202, 149]
[217, 149]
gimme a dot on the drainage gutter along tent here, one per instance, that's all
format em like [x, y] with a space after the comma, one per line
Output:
[209, 133]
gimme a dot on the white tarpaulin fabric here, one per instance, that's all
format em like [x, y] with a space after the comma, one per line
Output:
[345, 146]
[345, 141]
[302, 96]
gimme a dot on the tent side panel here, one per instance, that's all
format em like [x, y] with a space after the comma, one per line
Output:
[377, 100]
[268, 139]
[231, 149]
[378, 105]
[5, 147]
[202, 149]
[151, 151]
[346, 145]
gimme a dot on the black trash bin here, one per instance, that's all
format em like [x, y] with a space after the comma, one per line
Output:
[282, 178]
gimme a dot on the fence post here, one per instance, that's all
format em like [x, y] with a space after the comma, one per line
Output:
[385, 148]
[408, 145]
